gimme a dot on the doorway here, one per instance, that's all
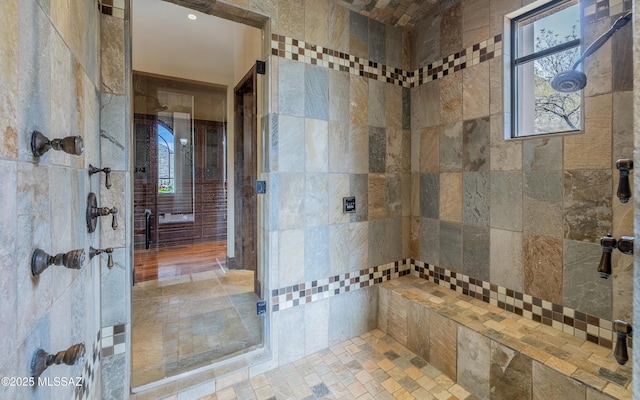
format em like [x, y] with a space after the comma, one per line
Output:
[194, 295]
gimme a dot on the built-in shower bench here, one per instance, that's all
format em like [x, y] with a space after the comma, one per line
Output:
[494, 353]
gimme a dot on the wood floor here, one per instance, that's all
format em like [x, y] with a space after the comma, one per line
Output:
[170, 262]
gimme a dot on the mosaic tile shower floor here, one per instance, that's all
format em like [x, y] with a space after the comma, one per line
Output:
[193, 320]
[371, 366]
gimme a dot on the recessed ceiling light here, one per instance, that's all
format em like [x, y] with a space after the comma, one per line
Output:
[192, 17]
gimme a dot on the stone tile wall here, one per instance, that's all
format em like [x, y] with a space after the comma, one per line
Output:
[50, 78]
[525, 214]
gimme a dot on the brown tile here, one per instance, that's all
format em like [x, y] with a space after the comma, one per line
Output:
[442, 345]
[543, 267]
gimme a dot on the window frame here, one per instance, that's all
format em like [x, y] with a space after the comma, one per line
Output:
[514, 97]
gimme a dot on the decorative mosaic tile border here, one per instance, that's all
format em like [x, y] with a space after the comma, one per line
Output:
[114, 8]
[588, 327]
[298, 50]
[295, 295]
[89, 372]
[113, 340]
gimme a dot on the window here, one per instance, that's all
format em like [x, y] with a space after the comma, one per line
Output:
[166, 160]
[545, 41]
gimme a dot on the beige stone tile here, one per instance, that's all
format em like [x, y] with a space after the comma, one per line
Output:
[338, 28]
[316, 25]
[291, 19]
[506, 268]
[475, 97]
[591, 149]
[402, 394]
[543, 267]
[391, 385]
[377, 196]
[359, 100]
[442, 345]
[451, 197]
[505, 155]
[451, 98]
[475, 21]
[429, 149]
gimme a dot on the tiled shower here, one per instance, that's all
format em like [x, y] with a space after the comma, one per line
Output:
[407, 116]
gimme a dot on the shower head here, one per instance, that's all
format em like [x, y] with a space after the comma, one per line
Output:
[573, 80]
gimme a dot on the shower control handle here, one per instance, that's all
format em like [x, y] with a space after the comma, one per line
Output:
[93, 212]
[622, 329]
[624, 165]
[608, 243]
[109, 251]
[107, 174]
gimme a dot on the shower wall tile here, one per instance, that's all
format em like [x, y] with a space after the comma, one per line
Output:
[359, 149]
[510, 373]
[352, 314]
[377, 193]
[429, 155]
[113, 137]
[475, 252]
[506, 200]
[542, 203]
[339, 153]
[430, 195]
[476, 17]
[591, 150]
[429, 240]
[113, 378]
[340, 245]
[622, 290]
[377, 41]
[451, 148]
[450, 98]
[316, 92]
[113, 288]
[623, 65]
[622, 126]
[316, 253]
[338, 189]
[339, 28]
[398, 151]
[394, 188]
[425, 42]
[451, 30]
[11, 23]
[113, 73]
[291, 211]
[291, 256]
[474, 361]
[339, 95]
[506, 155]
[475, 145]
[291, 18]
[587, 204]
[359, 100]
[359, 251]
[543, 154]
[316, 326]
[475, 100]
[475, 198]
[377, 149]
[496, 80]
[316, 146]
[499, 8]
[442, 345]
[393, 107]
[506, 267]
[425, 106]
[290, 341]
[543, 267]
[582, 288]
[549, 384]
[377, 103]
[598, 67]
[316, 29]
[451, 245]
[291, 88]
[359, 184]
[451, 197]
[8, 261]
[394, 47]
[358, 35]
[406, 108]
[316, 199]
[26, 96]
[291, 143]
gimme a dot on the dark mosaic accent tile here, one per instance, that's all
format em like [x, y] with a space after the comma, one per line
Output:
[613, 377]
[418, 362]
[409, 384]
[391, 355]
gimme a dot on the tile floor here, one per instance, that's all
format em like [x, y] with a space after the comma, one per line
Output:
[371, 366]
[190, 321]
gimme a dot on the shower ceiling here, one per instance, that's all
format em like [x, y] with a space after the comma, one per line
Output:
[403, 13]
